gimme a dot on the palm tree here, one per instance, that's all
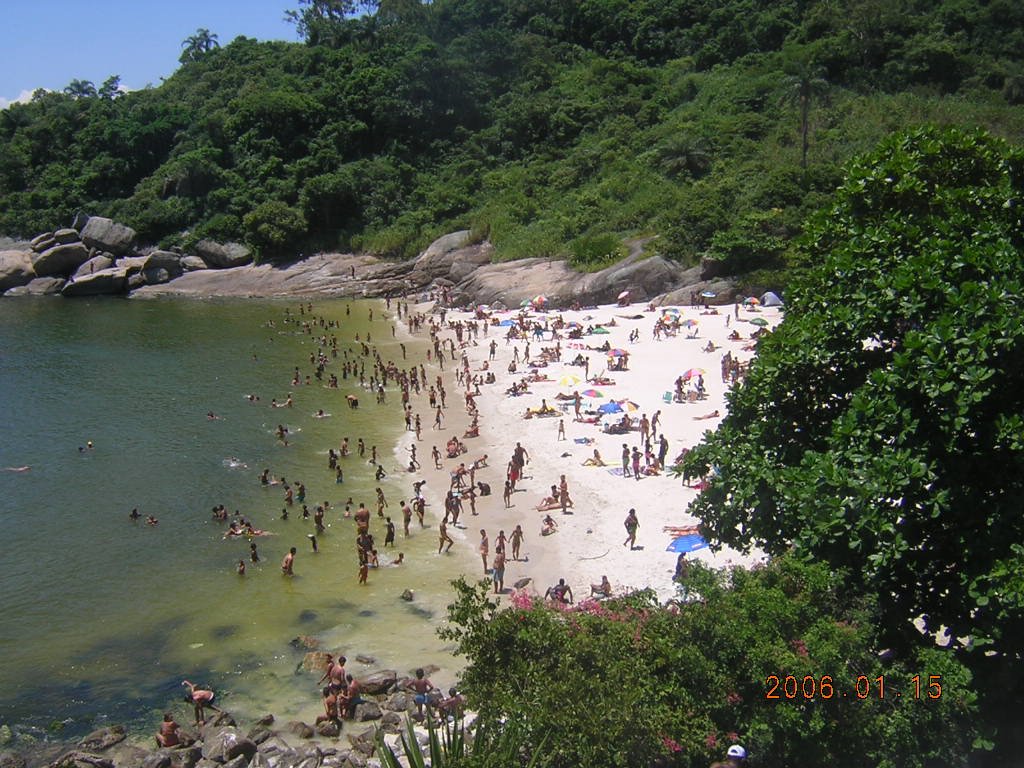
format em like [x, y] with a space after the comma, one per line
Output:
[198, 45]
[682, 155]
[80, 89]
[803, 86]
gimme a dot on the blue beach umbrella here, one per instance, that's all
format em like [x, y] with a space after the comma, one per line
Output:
[506, 322]
[691, 542]
[610, 407]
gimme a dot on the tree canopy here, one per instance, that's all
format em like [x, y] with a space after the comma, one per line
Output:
[541, 125]
[881, 428]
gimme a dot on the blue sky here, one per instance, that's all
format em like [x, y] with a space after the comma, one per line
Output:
[49, 43]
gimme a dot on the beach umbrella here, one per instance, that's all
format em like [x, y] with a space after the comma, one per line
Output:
[524, 303]
[592, 393]
[691, 542]
[600, 329]
[708, 294]
[538, 300]
[569, 380]
[573, 324]
[617, 353]
[690, 323]
[758, 321]
[752, 301]
[771, 299]
[610, 407]
[624, 295]
[670, 311]
[507, 322]
[693, 373]
[629, 405]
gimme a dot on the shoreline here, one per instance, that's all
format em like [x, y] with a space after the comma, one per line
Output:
[588, 543]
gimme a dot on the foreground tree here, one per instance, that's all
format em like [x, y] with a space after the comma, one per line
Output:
[630, 683]
[880, 429]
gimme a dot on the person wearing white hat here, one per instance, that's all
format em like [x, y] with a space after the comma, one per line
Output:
[734, 757]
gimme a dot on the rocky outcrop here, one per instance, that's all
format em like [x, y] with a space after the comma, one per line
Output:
[41, 286]
[107, 235]
[223, 255]
[94, 265]
[161, 267]
[15, 269]
[103, 738]
[60, 260]
[103, 282]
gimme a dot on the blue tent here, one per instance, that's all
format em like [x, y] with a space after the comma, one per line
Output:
[691, 542]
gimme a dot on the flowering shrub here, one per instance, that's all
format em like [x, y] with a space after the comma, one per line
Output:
[627, 682]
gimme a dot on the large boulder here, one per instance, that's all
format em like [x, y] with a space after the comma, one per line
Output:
[40, 243]
[15, 269]
[60, 260]
[93, 265]
[106, 281]
[451, 257]
[378, 682]
[165, 260]
[66, 235]
[223, 255]
[192, 263]
[41, 286]
[107, 235]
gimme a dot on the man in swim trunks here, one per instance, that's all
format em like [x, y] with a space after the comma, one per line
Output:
[288, 563]
[420, 686]
[200, 698]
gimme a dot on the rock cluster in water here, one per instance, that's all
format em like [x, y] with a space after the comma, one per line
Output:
[223, 743]
[102, 258]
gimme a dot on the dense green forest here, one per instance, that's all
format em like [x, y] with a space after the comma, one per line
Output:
[551, 127]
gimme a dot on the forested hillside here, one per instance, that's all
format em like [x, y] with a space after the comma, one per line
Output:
[552, 127]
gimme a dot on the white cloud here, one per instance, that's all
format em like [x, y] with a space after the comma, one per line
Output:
[23, 98]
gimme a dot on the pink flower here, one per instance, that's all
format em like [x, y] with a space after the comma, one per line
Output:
[711, 740]
[671, 744]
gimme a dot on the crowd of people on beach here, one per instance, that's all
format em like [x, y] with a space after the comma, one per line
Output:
[456, 369]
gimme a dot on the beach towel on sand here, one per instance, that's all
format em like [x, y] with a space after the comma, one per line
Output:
[617, 471]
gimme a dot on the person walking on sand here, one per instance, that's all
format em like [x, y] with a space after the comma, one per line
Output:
[561, 429]
[636, 463]
[632, 524]
[563, 495]
[507, 495]
[485, 548]
[625, 460]
[516, 540]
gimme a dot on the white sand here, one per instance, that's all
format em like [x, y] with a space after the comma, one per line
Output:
[589, 542]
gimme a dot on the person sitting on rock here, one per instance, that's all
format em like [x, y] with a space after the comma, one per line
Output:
[168, 735]
[453, 704]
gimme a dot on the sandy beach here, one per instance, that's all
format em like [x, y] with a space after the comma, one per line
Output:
[589, 542]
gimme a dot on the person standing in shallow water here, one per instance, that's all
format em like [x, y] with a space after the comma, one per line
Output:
[288, 564]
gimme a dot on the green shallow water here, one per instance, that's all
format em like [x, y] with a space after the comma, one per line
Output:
[102, 617]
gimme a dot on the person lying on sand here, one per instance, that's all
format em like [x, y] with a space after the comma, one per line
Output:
[713, 415]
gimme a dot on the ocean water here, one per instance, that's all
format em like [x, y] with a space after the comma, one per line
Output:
[103, 617]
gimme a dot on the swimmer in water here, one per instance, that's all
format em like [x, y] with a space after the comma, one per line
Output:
[134, 514]
[25, 468]
[150, 520]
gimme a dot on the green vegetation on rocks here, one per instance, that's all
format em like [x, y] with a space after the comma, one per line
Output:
[548, 127]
